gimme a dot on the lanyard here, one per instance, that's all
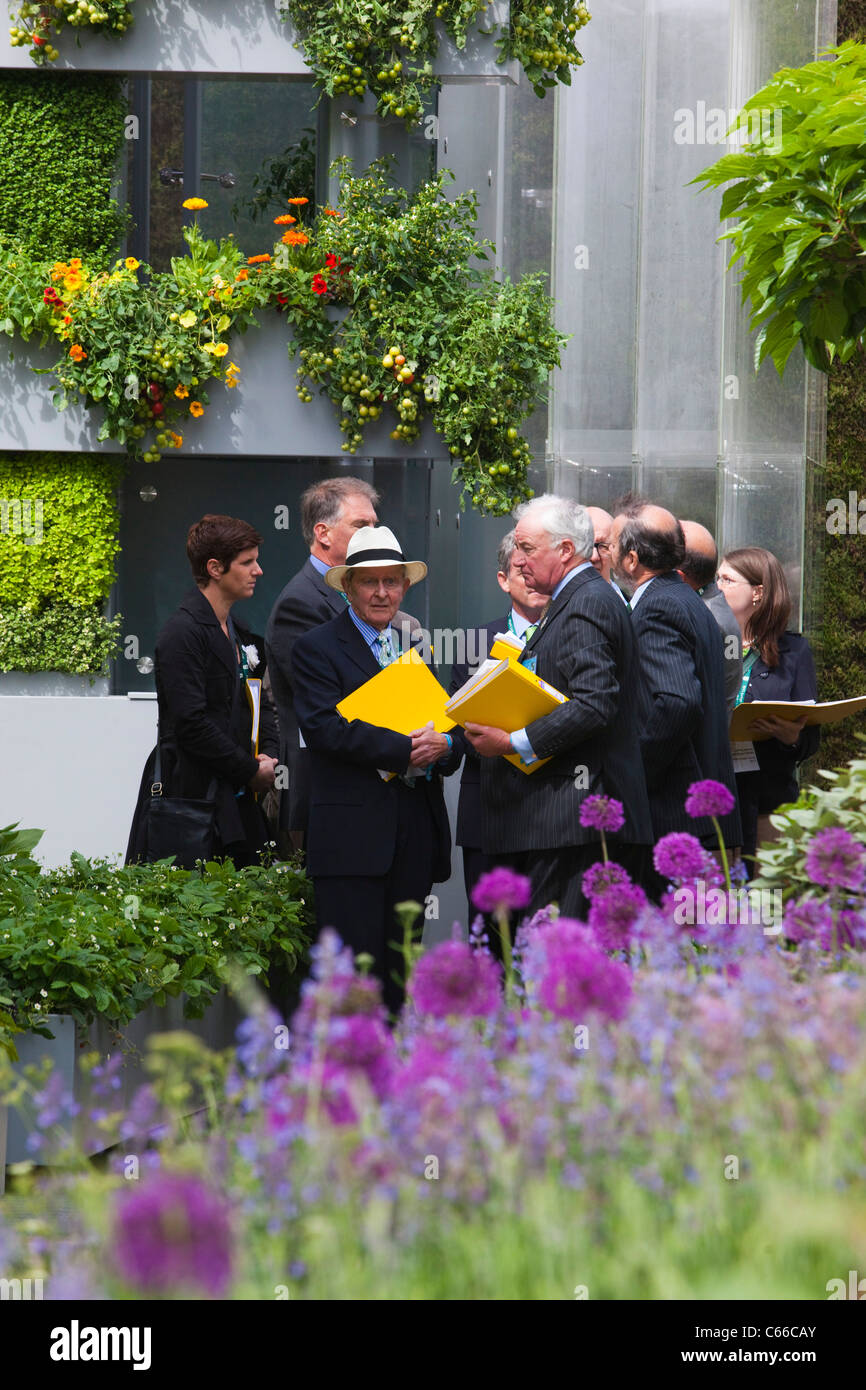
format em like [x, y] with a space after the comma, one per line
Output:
[748, 662]
[242, 656]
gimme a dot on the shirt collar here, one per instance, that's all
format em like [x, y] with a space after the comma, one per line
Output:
[640, 590]
[370, 634]
[319, 565]
[567, 578]
[519, 624]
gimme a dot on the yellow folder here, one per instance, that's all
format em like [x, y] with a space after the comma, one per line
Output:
[403, 696]
[827, 712]
[506, 696]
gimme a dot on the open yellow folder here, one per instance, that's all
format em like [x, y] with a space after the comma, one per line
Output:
[403, 696]
[826, 712]
[507, 696]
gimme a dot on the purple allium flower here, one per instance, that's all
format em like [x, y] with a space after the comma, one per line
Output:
[573, 975]
[835, 859]
[709, 798]
[679, 856]
[600, 877]
[807, 920]
[453, 979]
[602, 813]
[613, 915]
[172, 1234]
[365, 1043]
[501, 889]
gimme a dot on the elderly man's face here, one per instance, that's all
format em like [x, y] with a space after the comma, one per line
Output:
[376, 592]
[541, 564]
[601, 557]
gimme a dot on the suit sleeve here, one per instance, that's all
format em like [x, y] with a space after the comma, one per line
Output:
[269, 734]
[182, 656]
[290, 621]
[318, 689]
[805, 687]
[672, 690]
[587, 661]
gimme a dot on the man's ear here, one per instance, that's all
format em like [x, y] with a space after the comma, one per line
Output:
[504, 582]
[320, 531]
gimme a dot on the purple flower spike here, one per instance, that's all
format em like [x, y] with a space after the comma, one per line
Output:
[835, 859]
[601, 877]
[709, 798]
[612, 917]
[172, 1235]
[452, 979]
[501, 890]
[679, 856]
[602, 813]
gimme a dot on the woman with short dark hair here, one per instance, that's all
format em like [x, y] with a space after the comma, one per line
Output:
[207, 668]
[777, 665]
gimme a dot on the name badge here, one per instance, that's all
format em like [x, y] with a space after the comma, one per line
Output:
[530, 662]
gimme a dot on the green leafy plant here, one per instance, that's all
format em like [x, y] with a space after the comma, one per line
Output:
[91, 939]
[61, 138]
[38, 21]
[800, 204]
[293, 171]
[842, 803]
[390, 49]
[76, 641]
[426, 329]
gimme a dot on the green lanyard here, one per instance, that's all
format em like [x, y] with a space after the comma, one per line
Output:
[748, 662]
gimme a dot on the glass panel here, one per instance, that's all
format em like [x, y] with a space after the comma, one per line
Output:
[153, 569]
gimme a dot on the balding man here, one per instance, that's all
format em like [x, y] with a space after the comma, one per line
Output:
[602, 522]
[684, 730]
[585, 648]
[698, 569]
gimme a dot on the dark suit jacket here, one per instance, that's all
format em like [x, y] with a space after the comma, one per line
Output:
[205, 722]
[585, 647]
[684, 737]
[469, 802]
[793, 679]
[352, 828]
[305, 603]
[732, 641]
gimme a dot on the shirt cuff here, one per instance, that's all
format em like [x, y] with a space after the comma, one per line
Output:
[520, 743]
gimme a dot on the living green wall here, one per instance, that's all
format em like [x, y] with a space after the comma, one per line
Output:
[58, 542]
[843, 669]
[61, 138]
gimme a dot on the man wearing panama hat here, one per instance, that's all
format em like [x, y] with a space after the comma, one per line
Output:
[370, 843]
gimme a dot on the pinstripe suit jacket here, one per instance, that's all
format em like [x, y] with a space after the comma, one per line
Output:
[684, 733]
[584, 647]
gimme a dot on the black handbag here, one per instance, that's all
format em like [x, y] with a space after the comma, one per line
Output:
[179, 826]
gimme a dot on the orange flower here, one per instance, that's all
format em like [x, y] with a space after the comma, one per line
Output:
[181, 392]
[297, 202]
[242, 274]
[196, 408]
[284, 219]
[295, 238]
[330, 212]
[177, 439]
[194, 204]
[254, 260]
[66, 318]
[75, 263]
[76, 352]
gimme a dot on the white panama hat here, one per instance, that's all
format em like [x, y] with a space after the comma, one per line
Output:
[374, 547]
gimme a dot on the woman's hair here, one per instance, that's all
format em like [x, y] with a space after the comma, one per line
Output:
[219, 538]
[772, 612]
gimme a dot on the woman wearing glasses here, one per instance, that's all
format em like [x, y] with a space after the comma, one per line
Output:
[777, 665]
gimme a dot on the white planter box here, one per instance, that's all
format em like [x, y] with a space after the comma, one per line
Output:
[217, 37]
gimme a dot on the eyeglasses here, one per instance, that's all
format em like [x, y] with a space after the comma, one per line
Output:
[602, 547]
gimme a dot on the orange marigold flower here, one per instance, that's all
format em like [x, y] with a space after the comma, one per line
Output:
[196, 408]
[242, 274]
[194, 204]
[76, 352]
[131, 263]
[295, 238]
[330, 212]
[66, 318]
[181, 391]
[284, 219]
[297, 202]
[177, 439]
[255, 260]
[75, 263]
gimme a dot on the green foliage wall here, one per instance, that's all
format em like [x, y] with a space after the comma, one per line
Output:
[58, 542]
[59, 143]
[60, 138]
[843, 670]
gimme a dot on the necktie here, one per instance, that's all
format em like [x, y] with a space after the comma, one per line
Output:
[530, 632]
[386, 653]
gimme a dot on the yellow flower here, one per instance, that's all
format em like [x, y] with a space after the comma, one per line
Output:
[231, 382]
[131, 263]
[187, 319]
[177, 439]
[194, 204]
[196, 408]
[232, 367]
[221, 349]
[181, 392]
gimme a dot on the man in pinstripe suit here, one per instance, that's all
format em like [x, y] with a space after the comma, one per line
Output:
[585, 647]
[684, 730]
